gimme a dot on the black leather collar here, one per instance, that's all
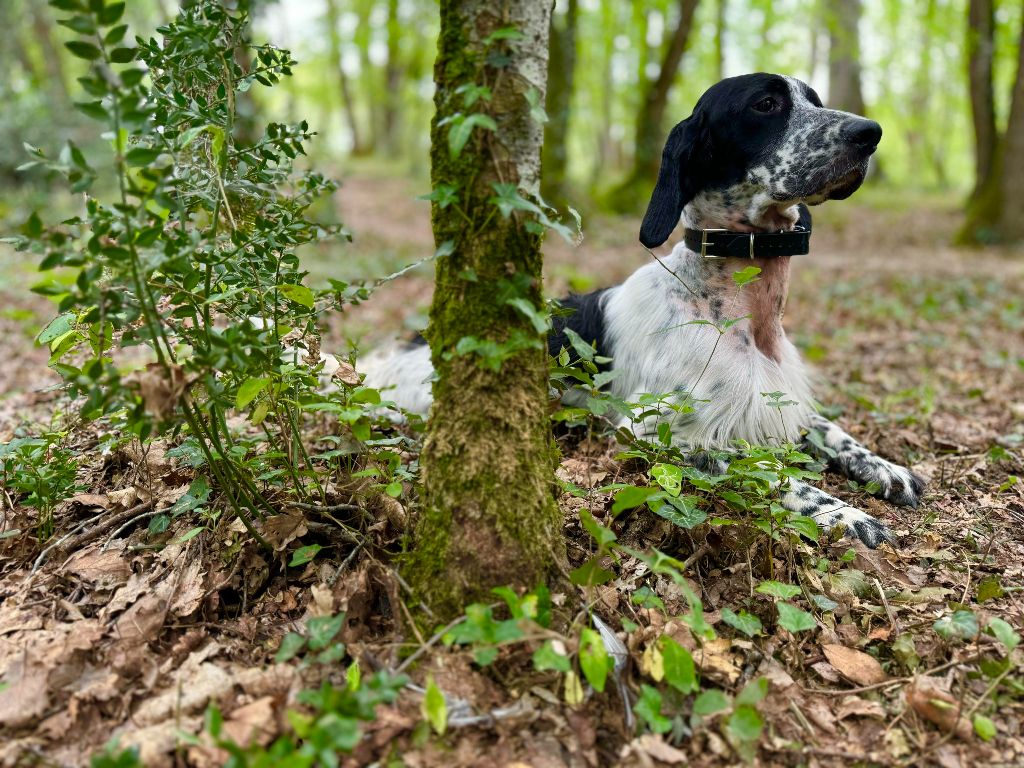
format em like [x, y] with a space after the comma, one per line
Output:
[722, 243]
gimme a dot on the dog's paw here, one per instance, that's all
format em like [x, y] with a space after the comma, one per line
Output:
[858, 524]
[895, 483]
[904, 487]
[829, 512]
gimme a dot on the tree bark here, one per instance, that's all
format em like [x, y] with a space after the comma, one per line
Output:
[345, 88]
[980, 55]
[844, 56]
[489, 516]
[561, 76]
[650, 134]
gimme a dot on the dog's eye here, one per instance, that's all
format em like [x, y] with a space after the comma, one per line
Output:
[767, 104]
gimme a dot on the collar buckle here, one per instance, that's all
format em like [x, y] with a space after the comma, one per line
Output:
[704, 244]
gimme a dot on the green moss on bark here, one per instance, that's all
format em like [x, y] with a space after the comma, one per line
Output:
[489, 515]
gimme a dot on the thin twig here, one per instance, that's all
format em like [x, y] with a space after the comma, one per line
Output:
[325, 510]
[702, 550]
[111, 522]
[127, 525]
[892, 617]
[657, 258]
[424, 647]
[43, 555]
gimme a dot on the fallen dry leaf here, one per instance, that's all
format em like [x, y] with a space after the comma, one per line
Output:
[653, 745]
[927, 697]
[856, 666]
[91, 500]
[105, 570]
[854, 706]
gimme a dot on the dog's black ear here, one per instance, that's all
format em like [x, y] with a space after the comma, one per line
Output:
[678, 179]
[805, 217]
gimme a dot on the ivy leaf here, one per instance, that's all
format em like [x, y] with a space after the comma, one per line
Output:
[778, 589]
[962, 625]
[434, 707]
[681, 511]
[291, 644]
[795, 619]
[462, 128]
[745, 622]
[443, 194]
[303, 555]
[1004, 633]
[537, 113]
[540, 320]
[322, 630]
[680, 671]
[594, 659]
[508, 199]
[648, 709]
[547, 657]
[669, 477]
[590, 574]
[709, 702]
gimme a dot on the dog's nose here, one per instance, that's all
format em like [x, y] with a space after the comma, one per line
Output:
[862, 132]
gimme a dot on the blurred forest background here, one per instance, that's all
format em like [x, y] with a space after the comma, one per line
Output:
[939, 75]
[621, 74]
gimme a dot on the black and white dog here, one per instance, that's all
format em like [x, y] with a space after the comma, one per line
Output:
[739, 172]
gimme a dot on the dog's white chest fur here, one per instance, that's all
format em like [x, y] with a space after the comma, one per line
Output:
[664, 338]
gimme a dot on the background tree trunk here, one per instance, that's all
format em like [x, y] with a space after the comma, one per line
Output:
[844, 90]
[392, 81]
[720, 10]
[980, 53]
[345, 88]
[489, 516]
[650, 134]
[995, 210]
[561, 70]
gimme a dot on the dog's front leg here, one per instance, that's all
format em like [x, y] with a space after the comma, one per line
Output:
[828, 512]
[844, 454]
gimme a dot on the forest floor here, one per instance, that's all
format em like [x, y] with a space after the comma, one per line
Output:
[918, 348]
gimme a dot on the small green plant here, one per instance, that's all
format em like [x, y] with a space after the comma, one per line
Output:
[41, 473]
[186, 247]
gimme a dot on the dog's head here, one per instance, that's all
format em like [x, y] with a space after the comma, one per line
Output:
[754, 147]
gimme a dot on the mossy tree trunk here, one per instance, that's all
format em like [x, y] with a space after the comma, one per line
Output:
[489, 516]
